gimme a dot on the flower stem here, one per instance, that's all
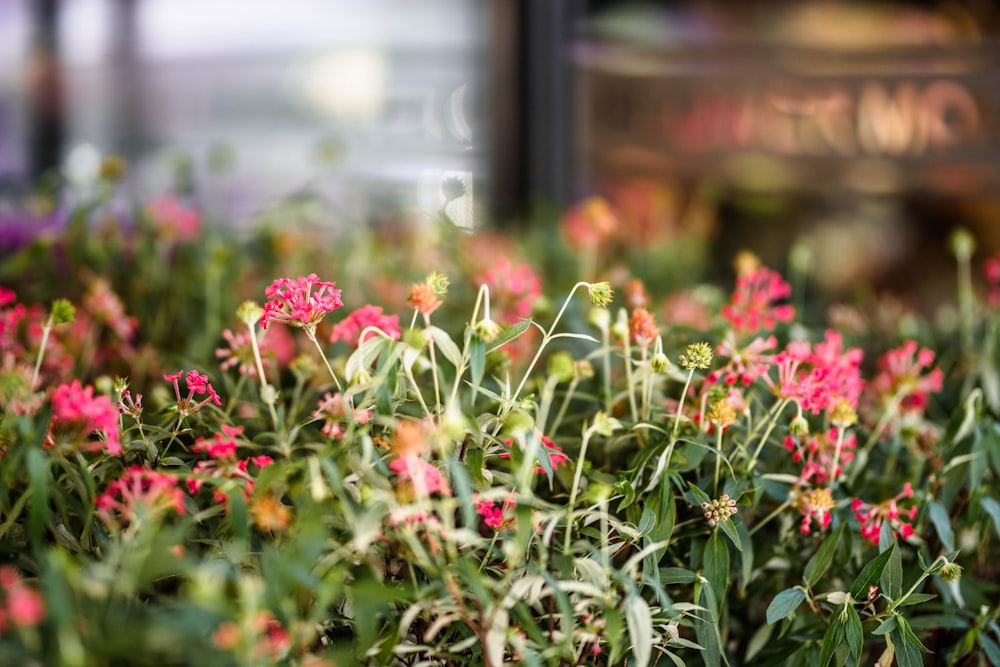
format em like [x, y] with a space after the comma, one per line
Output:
[577, 475]
[41, 350]
[311, 334]
[771, 423]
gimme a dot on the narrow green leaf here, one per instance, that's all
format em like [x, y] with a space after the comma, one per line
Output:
[640, 628]
[907, 655]
[509, 334]
[784, 604]
[38, 487]
[706, 631]
[854, 632]
[942, 524]
[477, 361]
[666, 514]
[823, 558]
[911, 636]
[870, 573]
[832, 640]
[729, 529]
[462, 485]
[916, 598]
[746, 556]
[892, 576]
[992, 508]
[447, 346]
[700, 497]
[715, 564]
[887, 626]
[990, 648]
[676, 575]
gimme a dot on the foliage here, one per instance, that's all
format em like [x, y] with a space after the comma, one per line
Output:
[469, 468]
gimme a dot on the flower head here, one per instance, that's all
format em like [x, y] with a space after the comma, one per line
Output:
[719, 509]
[423, 298]
[642, 327]
[815, 505]
[601, 294]
[417, 478]
[756, 302]
[891, 511]
[197, 384]
[22, 606]
[76, 408]
[349, 329]
[696, 355]
[139, 490]
[302, 302]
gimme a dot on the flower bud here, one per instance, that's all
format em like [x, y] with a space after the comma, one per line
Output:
[659, 363]
[583, 369]
[601, 294]
[487, 330]
[599, 318]
[62, 312]
[249, 313]
[696, 355]
[799, 427]
[605, 425]
[561, 366]
[951, 572]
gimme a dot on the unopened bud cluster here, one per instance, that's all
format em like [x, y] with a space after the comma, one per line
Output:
[696, 355]
[720, 509]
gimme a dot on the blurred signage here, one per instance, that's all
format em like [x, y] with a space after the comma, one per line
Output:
[915, 111]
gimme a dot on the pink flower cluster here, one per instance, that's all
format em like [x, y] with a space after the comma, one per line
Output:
[821, 463]
[75, 408]
[302, 302]
[22, 606]
[819, 376]
[815, 505]
[906, 373]
[418, 478]
[349, 329]
[514, 289]
[892, 511]
[642, 327]
[173, 218]
[270, 641]
[500, 517]
[139, 490]
[197, 384]
[755, 304]
[337, 410]
[223, 464]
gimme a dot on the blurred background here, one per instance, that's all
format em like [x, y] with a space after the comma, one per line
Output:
[853, 136]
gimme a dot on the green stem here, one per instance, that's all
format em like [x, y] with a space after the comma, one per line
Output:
[266, 391]
[565, 405]
[577, 475]
[546, 337]
[772, 422]
[311, 334]
[680, 406]
[41, 351]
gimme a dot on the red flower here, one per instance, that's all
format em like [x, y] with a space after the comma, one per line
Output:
[906, 373]
[197, 384]
[873, 516]
[139, 487]
[642, 327]
[295, 303]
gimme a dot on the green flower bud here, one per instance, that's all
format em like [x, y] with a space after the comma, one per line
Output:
[605, 425]
[601, 294]
[951, 572]
[599, 318]
[962, 243]
[799, 427]
[583, 369]
[249, 313]
[518, 422]
[487, 330]
[659, 363]
[62, 312]
[438, 282]
[696, 355]
[561, 366]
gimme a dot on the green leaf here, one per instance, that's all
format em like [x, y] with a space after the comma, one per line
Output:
[729, 529]
[648, 521]
[854, 632]
[887, 626]
[916, 598]
[892, 575]
[462, 484]
[784, 604]
[942, 524]
[700, 497]
[676, 575]
[706, 630]
[990, 648]
[38, 487]
[363, 357]
[823, 558]
[911, 636]
[832, 640]
[665, 507]
[508, 334]
[992, 507]
[870, 573]
[477, 361]
[640, 628]
[746, 556]
[715, 562]
[447, 346]
[907, 655]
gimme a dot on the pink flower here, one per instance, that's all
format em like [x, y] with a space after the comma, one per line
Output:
[75, 407]
[754, 304]
[905, 373]
[139, 490]
[173, 218]
[300, 303]
[514, 289]
[991, 270]
[589, 224]
[101, 303]
[197, 384]
[818, 455]
[239, 354]
[338, 410]
[22, 607]
[351, 326]
[417, 478]
[892, 511]
[222, 445]
[494, 517]
[819, 376]
[815, 505]
[745, 364]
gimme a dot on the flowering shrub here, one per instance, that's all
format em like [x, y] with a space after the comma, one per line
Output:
[552, 479]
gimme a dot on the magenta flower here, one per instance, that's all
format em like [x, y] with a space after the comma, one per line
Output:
[366, 316]
[221, 445]
[22, 606]
[417, 478]
[745, 364]
[76, 408]
[136, 491]
[497, 517]
[337, 411]
[197, 384]
[300, 303]
[755, 304]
